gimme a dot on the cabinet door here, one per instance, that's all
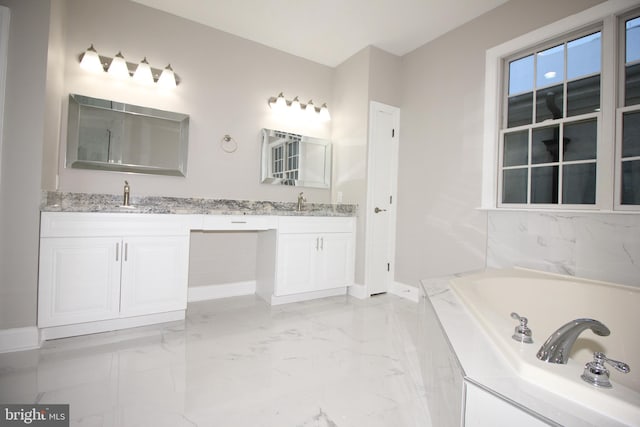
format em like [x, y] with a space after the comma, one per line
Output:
[154, 275]
[336, 261]
[79, 280]
[296, 263]
[484, 409]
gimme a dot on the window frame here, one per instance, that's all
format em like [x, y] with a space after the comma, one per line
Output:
[563, 40]
[607, 15]
[621, 109]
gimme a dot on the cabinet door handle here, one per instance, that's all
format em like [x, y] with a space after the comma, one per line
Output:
[238, 222]
[317, 243]
[126, 251]
[117, 251]
[322, 243]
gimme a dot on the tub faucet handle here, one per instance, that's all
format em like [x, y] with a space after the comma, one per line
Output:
[596, 374]
[522, 333]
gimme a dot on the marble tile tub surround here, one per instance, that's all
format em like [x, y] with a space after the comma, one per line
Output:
[336, 362]
[598, 246]
[54, 201]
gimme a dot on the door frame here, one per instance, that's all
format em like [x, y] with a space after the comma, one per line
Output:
[395, 112]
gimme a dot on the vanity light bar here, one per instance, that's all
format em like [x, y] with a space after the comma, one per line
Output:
[118, 67]
[280, 103]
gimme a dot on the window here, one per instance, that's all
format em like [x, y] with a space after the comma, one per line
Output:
[568, 127]
[550, 124]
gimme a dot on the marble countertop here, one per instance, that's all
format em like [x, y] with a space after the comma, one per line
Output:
[483, 364]
[53, 201]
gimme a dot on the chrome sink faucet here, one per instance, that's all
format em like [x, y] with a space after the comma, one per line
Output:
[557, 347]
[127, 192]
[301, 201]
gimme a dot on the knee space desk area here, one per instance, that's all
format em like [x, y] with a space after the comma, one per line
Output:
[101, 271]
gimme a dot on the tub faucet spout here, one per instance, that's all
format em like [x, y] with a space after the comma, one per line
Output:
[557, 347]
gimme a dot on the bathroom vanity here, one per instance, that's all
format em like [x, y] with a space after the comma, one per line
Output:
[129, 267]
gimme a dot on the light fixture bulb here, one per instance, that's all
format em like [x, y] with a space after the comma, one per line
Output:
[295, 105]
[310, 109]
[91, 60]
[324, 113]
[143, 73]
[167, 78]
[118, 67]
[280, 103]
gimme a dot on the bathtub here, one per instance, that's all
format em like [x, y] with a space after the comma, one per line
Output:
[549, 301]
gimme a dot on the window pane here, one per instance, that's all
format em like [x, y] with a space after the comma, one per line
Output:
[521, 75]
[633, 40]
[516, 148]
[544, 184]
[550, 66]
[514, 186]
[544, 147]
[579, 184]
[632, 85]
[580, 140]
[549, 103]
[520, 110]
[583, 96]
[631, 134]
[631, 183]
[583, 56]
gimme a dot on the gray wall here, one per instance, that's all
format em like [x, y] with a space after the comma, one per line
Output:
[369, 75]
[226, 81]
[349, 123]
[439, 230]
[22, 145]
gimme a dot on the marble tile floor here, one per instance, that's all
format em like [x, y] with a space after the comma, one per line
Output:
[338, 362]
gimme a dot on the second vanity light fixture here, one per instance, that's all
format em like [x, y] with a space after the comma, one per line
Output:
[118, 67]
[279, 103]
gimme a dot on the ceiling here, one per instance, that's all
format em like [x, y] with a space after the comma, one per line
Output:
[331, 31]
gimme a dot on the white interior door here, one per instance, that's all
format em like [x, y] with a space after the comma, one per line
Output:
[382, 170]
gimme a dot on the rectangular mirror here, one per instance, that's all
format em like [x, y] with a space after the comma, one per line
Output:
[296, 160]
[109, 135]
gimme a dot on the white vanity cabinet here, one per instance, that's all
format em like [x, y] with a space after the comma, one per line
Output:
[314, 254]
[107, 271]
[110, 267]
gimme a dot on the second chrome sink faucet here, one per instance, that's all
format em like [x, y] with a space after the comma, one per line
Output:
[127, 192]
[301, 201]
[557, 347]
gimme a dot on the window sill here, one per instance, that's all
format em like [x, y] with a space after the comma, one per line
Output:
[560, 211]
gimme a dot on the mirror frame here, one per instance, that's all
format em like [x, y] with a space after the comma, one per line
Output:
[78, 102]
[305, 142]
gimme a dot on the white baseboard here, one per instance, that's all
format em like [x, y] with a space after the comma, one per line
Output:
[19, 339]
[305, 296]
[64, 331]
[405, 291]
[202, 293]
[358, 291]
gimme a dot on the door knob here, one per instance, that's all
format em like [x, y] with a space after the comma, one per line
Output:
[378, 210]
